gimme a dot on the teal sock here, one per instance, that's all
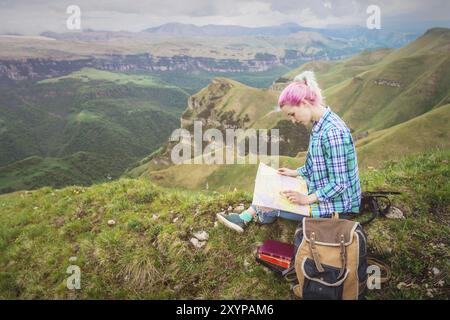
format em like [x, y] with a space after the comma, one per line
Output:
[246, 216]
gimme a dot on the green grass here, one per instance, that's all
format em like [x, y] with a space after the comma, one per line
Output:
[413, 247]
[81, 168]
[91, 74]
[142, 257]
[86, 116]
[411, 137]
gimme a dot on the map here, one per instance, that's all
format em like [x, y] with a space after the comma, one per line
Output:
[268, 186]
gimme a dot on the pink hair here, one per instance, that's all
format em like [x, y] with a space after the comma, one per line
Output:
[304, 88]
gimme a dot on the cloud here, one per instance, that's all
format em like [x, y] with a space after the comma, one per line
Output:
[35, 16]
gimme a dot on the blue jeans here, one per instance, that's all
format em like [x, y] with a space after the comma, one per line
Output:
[265, 216]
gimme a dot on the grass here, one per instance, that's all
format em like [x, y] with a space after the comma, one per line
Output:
[147, 253]
[411, 137]
[81, 168]
[91, 74]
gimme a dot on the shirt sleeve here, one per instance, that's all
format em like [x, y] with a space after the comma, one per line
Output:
[303, 172]
[335, 146]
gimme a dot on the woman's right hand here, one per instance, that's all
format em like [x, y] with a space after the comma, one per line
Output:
[288, 172]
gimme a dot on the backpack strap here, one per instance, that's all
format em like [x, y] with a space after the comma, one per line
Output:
[372, 200]
[343, 255]
[290, 275]
[383, 266]
[314, 253]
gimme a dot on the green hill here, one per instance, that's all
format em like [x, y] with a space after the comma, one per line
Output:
[415, 136]
[108, 115]
[380, 89]
[331, 73]
[147, 253]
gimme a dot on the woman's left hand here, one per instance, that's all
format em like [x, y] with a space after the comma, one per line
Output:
[298, 198]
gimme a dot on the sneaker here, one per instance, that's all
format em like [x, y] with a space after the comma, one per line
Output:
[232, 221]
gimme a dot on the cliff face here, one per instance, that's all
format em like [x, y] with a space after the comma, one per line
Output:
[36, 69]
[40, 68]
[228, 104]
[205, 105]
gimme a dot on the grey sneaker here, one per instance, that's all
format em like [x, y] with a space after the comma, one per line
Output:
[232, 221]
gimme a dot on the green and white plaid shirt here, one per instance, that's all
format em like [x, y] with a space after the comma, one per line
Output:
[331, 167]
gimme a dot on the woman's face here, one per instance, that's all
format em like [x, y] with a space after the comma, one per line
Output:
[298, 114]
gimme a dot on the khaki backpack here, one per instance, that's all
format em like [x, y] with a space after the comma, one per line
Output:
[330, 260]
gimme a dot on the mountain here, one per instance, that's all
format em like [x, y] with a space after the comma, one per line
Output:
[394, 104]
[228, 104]
[211, 30]
[179, 49]
[356, 35]
[392, 87]
[114, 118]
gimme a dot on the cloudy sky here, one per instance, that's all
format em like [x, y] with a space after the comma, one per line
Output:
[35, 16]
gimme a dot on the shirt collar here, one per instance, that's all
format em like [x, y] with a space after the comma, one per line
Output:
[318, 124]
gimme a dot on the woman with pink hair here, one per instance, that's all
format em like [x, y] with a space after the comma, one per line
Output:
[331, 166]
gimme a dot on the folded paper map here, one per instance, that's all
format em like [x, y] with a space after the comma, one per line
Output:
[268, 187]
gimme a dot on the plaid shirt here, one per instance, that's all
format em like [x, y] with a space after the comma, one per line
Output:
[331, 168]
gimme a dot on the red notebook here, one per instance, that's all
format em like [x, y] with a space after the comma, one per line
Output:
[277, 249]
[276, 252]
[279, 262]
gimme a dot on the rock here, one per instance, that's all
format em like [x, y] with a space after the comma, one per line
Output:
[155, 216]
[246, 264]
[441, 283]
[430, 293]
[177, 288]
[175, 220]
[402, 285]
[395, 213]
[73, 259]
[239, 208]
[216, 224]
[196, 243]
[201, 235]
[59, 222]
[111, 223]
[436, 271]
